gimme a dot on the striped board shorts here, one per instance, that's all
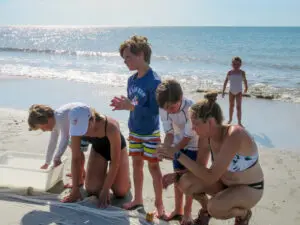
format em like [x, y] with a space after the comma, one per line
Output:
[144, 145]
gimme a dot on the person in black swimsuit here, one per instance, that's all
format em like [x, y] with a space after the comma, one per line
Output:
[108, 147]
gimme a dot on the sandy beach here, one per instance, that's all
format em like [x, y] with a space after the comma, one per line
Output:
[278, 206]
[59, 52]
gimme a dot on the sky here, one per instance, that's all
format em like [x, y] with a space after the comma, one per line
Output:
[151, 12]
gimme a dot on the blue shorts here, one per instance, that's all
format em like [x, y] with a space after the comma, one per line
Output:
[191, 154]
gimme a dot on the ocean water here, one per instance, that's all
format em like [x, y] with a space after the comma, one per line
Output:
[199, 57]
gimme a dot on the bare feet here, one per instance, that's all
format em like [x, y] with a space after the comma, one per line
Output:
[240, 124]
[175, 215]
[57, 162]
[229, 121]
[203, 218]
[133, 205]
[45, 166]
[187, 220]
[245, 220]
[74, 196]
[161, 213]
[71, 185]
[70, 175]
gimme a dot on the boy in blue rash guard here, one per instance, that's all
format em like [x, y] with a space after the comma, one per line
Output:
[143, 122]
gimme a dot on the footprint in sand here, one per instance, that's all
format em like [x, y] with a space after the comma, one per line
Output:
[275, 208]
[279, 161]
[294, 192]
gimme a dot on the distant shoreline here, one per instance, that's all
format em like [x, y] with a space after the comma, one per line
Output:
[254, 95]
[127, 26]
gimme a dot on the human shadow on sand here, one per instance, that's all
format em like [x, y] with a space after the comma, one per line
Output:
[263, 140]
[84, 212]
[88, 214]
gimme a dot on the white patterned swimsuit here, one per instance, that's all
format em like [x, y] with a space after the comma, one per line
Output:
[236, 83]
[241, 163]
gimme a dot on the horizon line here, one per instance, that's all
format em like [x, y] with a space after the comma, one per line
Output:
[143, 26]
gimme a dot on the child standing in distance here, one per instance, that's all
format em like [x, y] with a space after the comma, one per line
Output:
[143, 122]
[236, 77]
[179, 134]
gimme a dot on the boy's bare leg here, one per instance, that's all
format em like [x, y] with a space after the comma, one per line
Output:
[138, 179]
[187, 215]
[178, 211]
[155, 172]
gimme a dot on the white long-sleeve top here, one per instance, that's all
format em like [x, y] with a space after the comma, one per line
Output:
[180, 125]
[61, 128]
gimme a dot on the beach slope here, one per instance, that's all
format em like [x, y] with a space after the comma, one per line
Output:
[280, 204]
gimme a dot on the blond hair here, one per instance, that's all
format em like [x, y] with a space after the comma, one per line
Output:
[95, 115]
[208, 108]
[137, 44]
[39, 114]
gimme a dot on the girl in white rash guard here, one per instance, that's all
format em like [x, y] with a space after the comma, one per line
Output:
[108, 166]
[57, 122]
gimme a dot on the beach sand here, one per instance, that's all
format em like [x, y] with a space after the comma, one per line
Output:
[280, 203]
[279, 146]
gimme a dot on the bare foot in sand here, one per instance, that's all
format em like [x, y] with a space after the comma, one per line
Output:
[203, 218]
[160, 213]
[45, 166]
[133, 205]
[70, 174]
[71, 185]
[187, 220]
[175, 215]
